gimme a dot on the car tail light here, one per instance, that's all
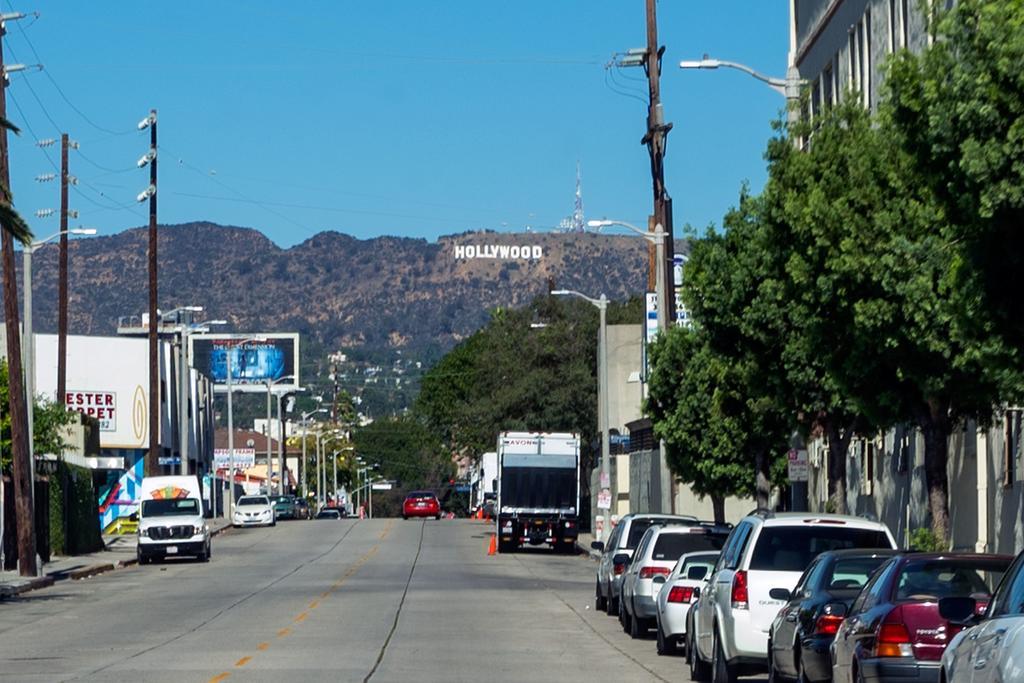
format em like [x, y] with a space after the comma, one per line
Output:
[651, 572]
[683, 594]
[827, 625]
[740, 598]
[893, 638]
[619, 569]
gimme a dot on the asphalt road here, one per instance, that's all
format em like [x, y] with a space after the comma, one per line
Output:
[372, 600]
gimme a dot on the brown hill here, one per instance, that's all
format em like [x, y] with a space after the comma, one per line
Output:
[387, 292]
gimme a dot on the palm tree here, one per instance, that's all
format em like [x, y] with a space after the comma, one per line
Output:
[13, 227]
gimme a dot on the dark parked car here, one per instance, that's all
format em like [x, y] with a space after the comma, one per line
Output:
[328, 513]
[302, 509]
[284, 506]
[894, 630]
[800, 636]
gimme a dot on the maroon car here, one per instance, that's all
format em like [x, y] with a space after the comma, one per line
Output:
[894, 631]
[421, 504]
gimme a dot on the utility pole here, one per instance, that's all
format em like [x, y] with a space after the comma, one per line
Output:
[656, 140]
[21, 466]
[62, 279]
[153, 454]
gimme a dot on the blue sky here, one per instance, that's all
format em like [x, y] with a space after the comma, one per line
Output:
[414, 119]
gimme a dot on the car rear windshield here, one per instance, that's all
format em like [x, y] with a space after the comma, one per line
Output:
[852, 573]
[670, 547]
[254, 500]
[421, 494]
[791, 548]
[175, 506]
[935, 579]
[640, 526]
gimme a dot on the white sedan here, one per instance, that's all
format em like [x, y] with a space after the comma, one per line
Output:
[992, 650]
[677, 595]
[253, 511]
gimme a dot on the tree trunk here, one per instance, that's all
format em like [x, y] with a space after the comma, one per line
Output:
[718, 505]
[762, 482]
[25, 519]
[838, 444]
[935, 427]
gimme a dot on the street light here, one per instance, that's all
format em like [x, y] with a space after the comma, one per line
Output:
[602, 390]
[270, 387]
[658, 239]
[321, 476]
[334, 459]
[305, 432]
[28, 348]
[184, 329]
[789, 87]
[231, 344]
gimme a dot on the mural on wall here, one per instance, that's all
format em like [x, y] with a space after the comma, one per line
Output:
[119, 497]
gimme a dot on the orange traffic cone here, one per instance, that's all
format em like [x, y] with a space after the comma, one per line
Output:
[492, 549]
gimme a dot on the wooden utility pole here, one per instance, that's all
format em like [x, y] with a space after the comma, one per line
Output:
[655, 140]
[153, 455]
[62, 285]
[21, 467]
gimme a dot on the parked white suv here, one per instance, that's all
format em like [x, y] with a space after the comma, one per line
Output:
[765, 551]
[622, 541]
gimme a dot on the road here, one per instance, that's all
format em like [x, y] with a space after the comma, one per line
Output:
[372, 600]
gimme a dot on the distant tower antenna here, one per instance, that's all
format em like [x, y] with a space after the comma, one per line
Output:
[578, 224]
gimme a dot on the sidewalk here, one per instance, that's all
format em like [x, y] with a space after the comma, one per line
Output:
[119, 553]
[583, 544]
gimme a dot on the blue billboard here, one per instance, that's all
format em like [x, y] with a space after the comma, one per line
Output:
[253, 362]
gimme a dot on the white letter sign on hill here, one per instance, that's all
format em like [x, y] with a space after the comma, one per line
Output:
[502, 252]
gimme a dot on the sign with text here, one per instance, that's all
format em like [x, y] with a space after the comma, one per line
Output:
[797, 465]
[254, 359]
[504, 252]
[99, 404]
[244, 457]
[604, 500]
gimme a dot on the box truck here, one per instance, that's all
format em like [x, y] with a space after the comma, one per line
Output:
[538, 490]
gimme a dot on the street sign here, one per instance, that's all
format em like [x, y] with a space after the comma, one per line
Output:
[797, 465]
[604, 500]
[381, 486]
[606, 480]
[244, 457]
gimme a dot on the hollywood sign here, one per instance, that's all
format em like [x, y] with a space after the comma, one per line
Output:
[498, 251]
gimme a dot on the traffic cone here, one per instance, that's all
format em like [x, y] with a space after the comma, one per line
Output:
[492, 549]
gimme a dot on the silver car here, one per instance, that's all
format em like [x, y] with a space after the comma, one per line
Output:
[656, 555]
[993, 648]
[623, 540]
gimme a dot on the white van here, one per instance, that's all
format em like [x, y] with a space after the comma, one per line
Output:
[171, 519]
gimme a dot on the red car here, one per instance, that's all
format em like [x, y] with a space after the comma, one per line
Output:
[421, 504]
[894, 631]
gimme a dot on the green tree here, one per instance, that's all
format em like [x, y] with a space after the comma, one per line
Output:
[689, 393]
[957, 109]
[50, 420]
[404, 450]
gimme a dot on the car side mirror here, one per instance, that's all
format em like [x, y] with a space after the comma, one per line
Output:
[780, 594]
[659, 579]
[597, 545]
[696, 594]
[959, 610]
[621, 558]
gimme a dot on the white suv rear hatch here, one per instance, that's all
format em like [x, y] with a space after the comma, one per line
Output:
[784, 549]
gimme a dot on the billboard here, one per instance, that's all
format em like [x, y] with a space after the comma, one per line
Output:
[253, 363]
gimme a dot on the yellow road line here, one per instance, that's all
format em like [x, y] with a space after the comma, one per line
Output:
[243, 661]
[262, 646]
[283, 632]
[301, 618]
[220, 677]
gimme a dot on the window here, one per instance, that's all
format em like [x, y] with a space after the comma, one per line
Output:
[827, 86]
[936, 579]
[904, 23]
[867, 467]
[816, 99]
[1009, 599]
[837, 93]
[731, 552]
[853, 573]
[873, 591]
[865, 51]
[670, 546]
[1011, 446]
[893, 26]
[791, 549]
[854, 61]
